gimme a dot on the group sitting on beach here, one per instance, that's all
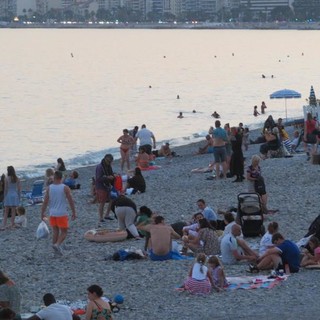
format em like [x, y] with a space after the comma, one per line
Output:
[208, 239]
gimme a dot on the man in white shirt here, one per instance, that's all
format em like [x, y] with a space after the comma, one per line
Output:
[146, 138]
[235, 249]
[54, 310]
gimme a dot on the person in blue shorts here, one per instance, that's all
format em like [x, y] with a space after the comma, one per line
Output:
[219, 151]
[161, 235]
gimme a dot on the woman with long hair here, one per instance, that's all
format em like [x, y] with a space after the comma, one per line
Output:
[12, 192]
[97, 307]
[137, 182]
[207, 240]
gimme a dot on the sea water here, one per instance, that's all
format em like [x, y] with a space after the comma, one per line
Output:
[70, 93]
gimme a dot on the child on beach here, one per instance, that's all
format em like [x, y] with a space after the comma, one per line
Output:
[199, 280]
[20, 220]
[308, 259]
[48, 178]
[217, 272]
[255, 111]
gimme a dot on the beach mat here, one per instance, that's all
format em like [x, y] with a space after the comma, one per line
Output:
[249, 282]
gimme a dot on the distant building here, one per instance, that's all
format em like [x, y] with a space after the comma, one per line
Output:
[25, 7]
[264, 6]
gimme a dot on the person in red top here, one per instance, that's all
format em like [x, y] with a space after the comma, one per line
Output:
[310, 135]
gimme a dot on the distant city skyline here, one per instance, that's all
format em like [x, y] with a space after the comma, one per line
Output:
[155, 10]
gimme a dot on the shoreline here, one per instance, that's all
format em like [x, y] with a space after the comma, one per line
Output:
[165, 25]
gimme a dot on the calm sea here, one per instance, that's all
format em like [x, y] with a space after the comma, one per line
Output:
[69, 93]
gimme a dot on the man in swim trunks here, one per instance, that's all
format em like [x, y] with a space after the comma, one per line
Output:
[219, 151]
[56, 198]
[161, 236]
[146, 138]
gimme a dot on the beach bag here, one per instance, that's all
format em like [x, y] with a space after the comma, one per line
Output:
[118, 183]
[42, 231]
[259, 186]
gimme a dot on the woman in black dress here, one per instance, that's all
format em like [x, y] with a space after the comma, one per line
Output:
[237, 161]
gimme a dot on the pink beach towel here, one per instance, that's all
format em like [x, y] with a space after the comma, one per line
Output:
[257, 282]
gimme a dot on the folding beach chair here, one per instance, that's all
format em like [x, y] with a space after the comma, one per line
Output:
[36, 194]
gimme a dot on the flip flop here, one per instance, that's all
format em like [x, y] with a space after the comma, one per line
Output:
[108, 218]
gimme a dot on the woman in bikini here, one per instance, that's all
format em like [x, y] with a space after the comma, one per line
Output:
[97, 307]
[127, 142]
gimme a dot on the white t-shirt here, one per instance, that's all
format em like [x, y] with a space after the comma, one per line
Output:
[21, 221]
[227, 245]
[145, 136]
[197, 274]
[55, 311]
[265, 243]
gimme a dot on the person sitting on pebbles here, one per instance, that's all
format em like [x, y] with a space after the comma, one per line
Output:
[137, 183]
[308, 258]
[199, 279]
[143, 158]
[285, 253]
[54, 310]
[71, 181]
[165, 151]
[161, 235]
[208, 147]
[234, 249]
[206, 241]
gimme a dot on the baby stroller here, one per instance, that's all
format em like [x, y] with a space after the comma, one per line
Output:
[250, 214]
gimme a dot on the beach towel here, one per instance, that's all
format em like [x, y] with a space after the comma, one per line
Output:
[256, 282]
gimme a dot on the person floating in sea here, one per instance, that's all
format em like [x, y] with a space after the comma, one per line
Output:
[255, 111]
[263, 107]
[215, 115]
[180, 116]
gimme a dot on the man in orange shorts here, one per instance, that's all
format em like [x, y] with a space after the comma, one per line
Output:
[57, 196]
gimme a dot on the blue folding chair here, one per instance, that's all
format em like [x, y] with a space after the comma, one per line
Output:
[36, 194]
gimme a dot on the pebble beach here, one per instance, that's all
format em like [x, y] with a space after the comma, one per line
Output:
[148, 287]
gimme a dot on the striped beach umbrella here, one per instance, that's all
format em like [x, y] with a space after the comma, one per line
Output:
[312, 97]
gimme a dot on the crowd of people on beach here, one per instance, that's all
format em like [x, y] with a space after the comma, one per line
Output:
[210, 240]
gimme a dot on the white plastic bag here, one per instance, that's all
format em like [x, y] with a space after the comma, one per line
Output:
[42, 231]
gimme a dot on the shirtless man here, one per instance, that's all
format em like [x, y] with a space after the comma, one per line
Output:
[160, 239]
[208, 147]
[165, 151]
[219, 150]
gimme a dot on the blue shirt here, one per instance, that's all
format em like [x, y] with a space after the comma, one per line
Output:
[209, 214]
[290, 255]
[220, 134]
